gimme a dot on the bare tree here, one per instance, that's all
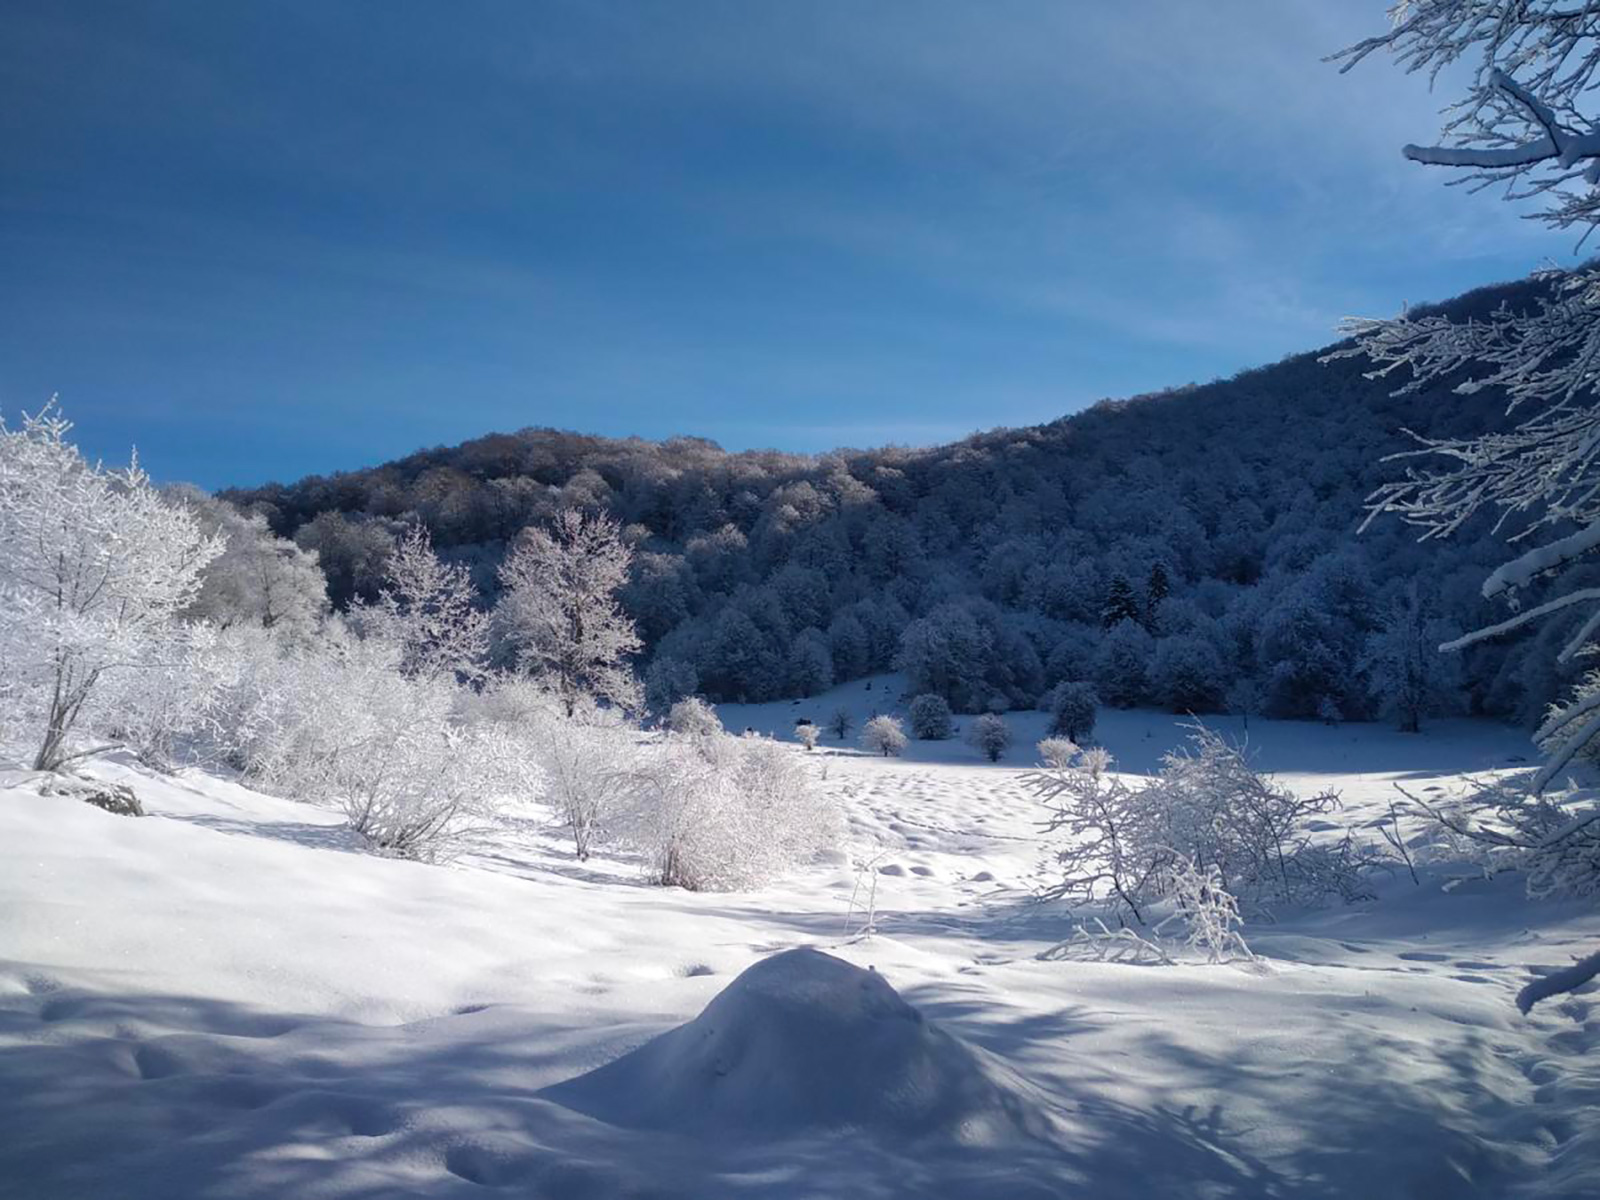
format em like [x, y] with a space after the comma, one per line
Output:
[1532, 65]
[561, 611]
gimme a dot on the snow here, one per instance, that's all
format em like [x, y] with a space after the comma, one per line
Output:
[227, 998]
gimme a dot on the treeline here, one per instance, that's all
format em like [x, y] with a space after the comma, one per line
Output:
[1197, 549]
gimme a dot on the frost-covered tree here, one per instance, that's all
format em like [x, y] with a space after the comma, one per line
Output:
[989, 735]
[884, 735]
[668, 680]
[95, 568]
[1121, 665]
[1405, 672]
[1156, 589]
[810, 666]
[1527, 124]
[429, 609]
[807, 734]
[259, 578]
[1187, 674]
[1073, 709]
[590, 771]
[560, 609]
[949, 652]
[1206, 805]
[930, 718]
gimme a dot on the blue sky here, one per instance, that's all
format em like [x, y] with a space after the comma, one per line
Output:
[265, 240]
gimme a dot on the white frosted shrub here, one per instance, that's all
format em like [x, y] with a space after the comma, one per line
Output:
[719, 813]
[590, 769]
[1207, 807]
[169, 710]
[693, 717]
[884, 735]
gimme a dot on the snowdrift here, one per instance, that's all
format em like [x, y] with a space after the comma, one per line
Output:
[803, 1041]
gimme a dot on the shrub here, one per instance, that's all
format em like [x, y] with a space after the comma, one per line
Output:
[884, 735]
[1057, 752]
[990, 736]
[1207, 806]
[589, 771]
[808, 734]
[930, 718]
[717, 812]
[693, 717]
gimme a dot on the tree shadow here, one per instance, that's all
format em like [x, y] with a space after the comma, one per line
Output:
[146, 1095]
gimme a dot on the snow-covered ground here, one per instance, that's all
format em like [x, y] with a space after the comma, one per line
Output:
[227, 999]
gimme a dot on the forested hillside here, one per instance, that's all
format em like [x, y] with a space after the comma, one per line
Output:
[1197, 549]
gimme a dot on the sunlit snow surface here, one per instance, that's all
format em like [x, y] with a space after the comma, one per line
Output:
[227, 999]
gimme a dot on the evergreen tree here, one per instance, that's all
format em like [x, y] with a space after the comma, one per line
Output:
[1122, 604]
[1156, 589]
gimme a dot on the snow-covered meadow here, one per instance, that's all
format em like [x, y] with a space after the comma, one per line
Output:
[230, 998]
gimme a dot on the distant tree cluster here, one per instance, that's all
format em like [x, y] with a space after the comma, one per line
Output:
[1194, 550]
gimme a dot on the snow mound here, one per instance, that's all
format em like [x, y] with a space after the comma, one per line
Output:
[804, 1041]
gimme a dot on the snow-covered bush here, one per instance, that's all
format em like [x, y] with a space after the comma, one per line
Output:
[884, 735]
[422, 788]
[1057, 752]
[693, 717]
[1204, 909]
[716, 813]
[1207, 806]
[95, 568]
[169, 710]
[930, 718]
[1073, 709]
[989, 735]
[808, 734]
[338, 721]
[590, 771]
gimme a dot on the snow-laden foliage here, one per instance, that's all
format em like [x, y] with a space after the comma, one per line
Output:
[342, 722]
[884, 735]
[807, 734]
[169, 711]
[929, 715]
[1551, 839]
[95, 570]
[590, 766]
[1073, 707]
[717, 813]
[1526, 123]
[693, 717]
[989, 736]
[1206, 806]
[259, 578]
[561, 612]
[1406, 674]
[429, 610]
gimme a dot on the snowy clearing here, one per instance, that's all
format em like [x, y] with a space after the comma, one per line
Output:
[228, 999]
